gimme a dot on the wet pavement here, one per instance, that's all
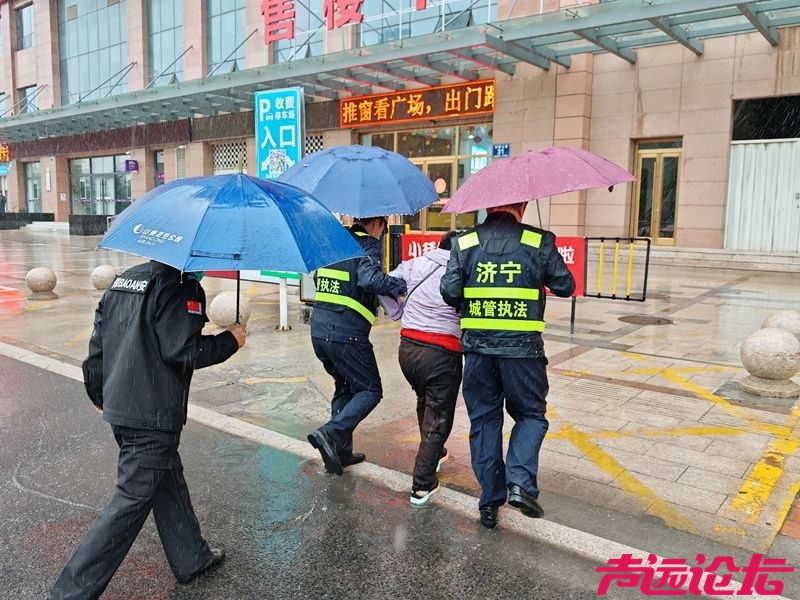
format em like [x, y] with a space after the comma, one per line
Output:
[290, 530]
[650, 443]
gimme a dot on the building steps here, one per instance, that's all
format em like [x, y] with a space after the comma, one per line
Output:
[712, 258]
[48, 226]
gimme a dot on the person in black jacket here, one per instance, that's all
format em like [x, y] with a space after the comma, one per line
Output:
[344, 310]
[145, 345]
[496, 278]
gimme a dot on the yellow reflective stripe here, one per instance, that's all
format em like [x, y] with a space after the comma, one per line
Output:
[361, 233]
[501, 292]
[502, 324]
[348, 302]
[468, 241]
[531, 238]
[334, 274]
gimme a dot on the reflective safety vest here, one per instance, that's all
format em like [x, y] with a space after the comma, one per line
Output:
[501, 295]
[335, 286]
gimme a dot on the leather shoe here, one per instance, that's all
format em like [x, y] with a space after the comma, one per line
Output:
[320, 440]
[216, 559]
[526, 503]
[489, 516]
[352, 459]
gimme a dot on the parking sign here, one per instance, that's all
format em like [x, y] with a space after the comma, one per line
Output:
[280, 130]
[280, 140]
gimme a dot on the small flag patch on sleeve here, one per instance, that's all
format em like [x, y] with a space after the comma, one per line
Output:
[194, 307]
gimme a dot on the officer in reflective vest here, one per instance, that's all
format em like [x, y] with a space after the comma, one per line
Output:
[496, 278]
[344, 310]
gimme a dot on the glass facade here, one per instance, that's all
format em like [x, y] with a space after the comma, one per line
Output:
[99, 185]
[27, 100]
[33, 188]
[309, 33]
[92, 38]
[391, 20]
[165, 41]
[226, 23]
[24, 16]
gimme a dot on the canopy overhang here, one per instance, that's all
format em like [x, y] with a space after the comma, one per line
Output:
[616, 26]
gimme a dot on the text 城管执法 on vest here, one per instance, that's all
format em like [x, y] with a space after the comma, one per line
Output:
[501, 295]
[337, 286]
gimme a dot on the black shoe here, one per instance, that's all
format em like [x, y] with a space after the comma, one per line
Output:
[352, 459]
[489, 516]
[216, 559]
[526, 503]
[320, 440]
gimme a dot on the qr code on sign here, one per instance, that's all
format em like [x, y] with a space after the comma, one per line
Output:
[278, 162]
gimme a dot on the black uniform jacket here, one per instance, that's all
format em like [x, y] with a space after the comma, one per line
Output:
[146, 344]
[367, 279]
[500, 238]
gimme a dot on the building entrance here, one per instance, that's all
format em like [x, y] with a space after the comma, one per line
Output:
[448, 156]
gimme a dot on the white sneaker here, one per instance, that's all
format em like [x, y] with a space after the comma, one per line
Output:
[443, 458]
[421, 497]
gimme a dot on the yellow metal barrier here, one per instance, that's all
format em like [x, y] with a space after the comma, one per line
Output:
[634, 269]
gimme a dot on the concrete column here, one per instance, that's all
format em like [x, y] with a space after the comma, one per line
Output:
[136, 16]
[572, 128]
[16, 186]
[46, 56]
[250, 168]
[257, 53]
[199, 159]
[55, 182]
[61, 187]
[194, 35]
[144, 180]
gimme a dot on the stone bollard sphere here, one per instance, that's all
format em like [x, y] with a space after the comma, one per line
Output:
[41, 281]
[222, 309]
[103, 276]
[771, 353]
[786, 319]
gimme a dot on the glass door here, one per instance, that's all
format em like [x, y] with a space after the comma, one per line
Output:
[103, 189]
[443, 175]
[656, 198]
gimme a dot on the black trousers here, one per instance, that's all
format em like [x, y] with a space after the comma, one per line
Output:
[358, 388]
[149, 476]
[520, 385]
[435, 375]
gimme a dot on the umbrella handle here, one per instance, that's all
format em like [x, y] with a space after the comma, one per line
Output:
[238, 285]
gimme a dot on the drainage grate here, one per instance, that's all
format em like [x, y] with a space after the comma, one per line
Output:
[645, 320]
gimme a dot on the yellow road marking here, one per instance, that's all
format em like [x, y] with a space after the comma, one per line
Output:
[763, 477]
[761, 481]
[781, 431]
[608, 464]
[700, 431]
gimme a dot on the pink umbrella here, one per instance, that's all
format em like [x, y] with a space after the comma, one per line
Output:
[535, 174]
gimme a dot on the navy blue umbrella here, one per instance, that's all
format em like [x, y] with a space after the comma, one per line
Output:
[363, 181]
[231, 222]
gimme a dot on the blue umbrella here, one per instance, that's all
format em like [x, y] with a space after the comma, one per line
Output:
[363, 181]
[231, 222]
